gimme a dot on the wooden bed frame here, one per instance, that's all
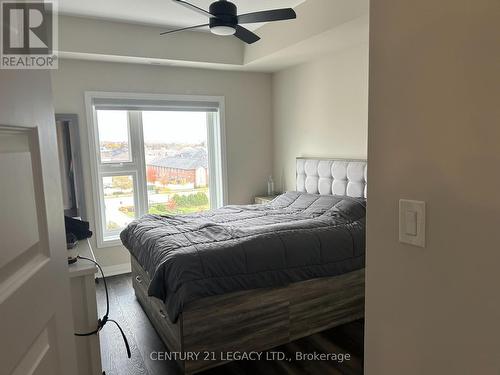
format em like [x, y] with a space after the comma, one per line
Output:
[261, 319]
[253, 320]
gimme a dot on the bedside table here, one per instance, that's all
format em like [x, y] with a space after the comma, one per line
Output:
[264, 199]
[83, 298]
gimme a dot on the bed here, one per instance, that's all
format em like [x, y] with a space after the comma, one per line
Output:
[250, 278]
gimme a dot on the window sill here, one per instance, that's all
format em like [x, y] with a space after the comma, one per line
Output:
[112, 241]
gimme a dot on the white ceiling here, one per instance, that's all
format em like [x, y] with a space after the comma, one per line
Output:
[160, 12]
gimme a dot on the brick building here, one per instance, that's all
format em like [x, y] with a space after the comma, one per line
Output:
[188, 167]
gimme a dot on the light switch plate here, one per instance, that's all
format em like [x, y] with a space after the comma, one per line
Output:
[412, 222]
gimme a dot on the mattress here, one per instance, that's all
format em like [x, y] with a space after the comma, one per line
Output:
[295, 237]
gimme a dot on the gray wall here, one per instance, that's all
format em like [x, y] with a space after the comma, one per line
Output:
[434, 135]
[320, 109]
[248, 117]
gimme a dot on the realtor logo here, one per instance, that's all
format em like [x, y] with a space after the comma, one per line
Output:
[29, 35]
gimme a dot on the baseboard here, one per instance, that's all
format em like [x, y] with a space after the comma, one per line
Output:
[117, 269]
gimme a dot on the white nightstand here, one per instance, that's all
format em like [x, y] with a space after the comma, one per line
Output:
[264, 199]
[83, 296]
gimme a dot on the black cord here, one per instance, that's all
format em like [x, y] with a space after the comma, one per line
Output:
[123, 335]
[102, 322]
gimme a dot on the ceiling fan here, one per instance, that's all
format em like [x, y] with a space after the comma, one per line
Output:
[224, 19]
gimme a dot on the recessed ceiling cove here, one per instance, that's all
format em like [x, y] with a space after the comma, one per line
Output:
[161, 12]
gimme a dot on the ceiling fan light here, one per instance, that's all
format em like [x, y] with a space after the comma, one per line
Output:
[223, 30]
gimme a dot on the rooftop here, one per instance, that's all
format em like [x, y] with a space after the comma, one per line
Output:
[188, 159]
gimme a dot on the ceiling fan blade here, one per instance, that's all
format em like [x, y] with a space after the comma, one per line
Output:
[184, 28]
[268, 16]
[193, 7]
[246, 35]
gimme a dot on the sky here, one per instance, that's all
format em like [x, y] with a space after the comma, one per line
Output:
[159, 126]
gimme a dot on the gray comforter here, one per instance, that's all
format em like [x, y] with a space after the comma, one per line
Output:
[295, 237]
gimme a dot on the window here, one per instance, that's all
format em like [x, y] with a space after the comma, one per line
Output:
[119, 201]
[176, 154]
[114, 136]
[154, 154]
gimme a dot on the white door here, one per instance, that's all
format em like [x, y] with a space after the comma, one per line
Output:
[36, 334]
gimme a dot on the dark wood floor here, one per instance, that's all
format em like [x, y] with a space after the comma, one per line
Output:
[144, 340]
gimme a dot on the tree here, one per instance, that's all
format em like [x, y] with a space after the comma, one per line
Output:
[122, 182]
[191, 200]
[152, 175]
[164, 180]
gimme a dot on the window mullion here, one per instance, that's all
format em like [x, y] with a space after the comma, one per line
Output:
[110, 169]
[212, 184]
[135, 119]
[214, 159]
[142, 165]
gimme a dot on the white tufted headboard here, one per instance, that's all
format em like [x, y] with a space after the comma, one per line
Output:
[332, 176]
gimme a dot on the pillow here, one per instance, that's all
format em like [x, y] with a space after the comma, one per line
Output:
[350, 209]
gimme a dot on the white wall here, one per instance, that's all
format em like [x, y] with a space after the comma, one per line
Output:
[320, 109]
[248, 117]
[434, 135]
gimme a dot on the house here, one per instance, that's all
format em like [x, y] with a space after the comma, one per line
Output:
[187, 167]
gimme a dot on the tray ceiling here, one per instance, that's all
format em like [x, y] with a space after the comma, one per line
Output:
[160, 12]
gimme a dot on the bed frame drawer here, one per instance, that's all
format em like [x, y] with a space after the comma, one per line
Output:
[155, 309]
